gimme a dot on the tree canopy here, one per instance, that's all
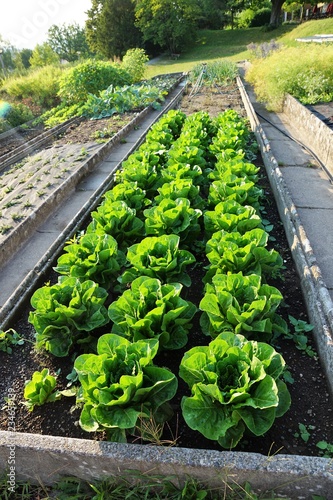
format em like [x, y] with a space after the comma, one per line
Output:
[110, 27]
[68, 41]
[167, 23]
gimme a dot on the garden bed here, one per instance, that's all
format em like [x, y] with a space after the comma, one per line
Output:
[311, 402]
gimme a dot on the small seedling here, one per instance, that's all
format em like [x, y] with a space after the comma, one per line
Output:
[326, 449]
[299, 335]
[40, 389]
[304, 432]
[8, 339]
[17, 217]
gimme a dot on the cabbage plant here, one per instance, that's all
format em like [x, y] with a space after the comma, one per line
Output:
[234, 252]
[158, 257]
[173, 217]
[66, 312]
[95, 257]
[120, 386]
[153, 310]
[231, 216]
[242, 304]
[119, 220]
[235, 388]
[232, 187]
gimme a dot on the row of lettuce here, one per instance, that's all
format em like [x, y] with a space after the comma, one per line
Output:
[187, 196]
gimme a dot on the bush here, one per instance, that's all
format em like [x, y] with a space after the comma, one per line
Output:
[134, 62]
[245, 18]
[90, 77]
[40, 85]
[304, 72]
[261, 17]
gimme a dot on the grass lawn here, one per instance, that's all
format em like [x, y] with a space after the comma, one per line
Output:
[232, 44]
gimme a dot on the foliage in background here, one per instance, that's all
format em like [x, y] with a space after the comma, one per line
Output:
[43, 55]
[69, 42]
[170, 25]
[304, 72]
[110, 28]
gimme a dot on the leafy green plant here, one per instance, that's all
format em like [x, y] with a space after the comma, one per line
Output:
[326, 449]
[40, 389]
[90, 77]
[232, 187]
[231, 216]
[118, 220]
[235, 388]
[130, 193]
[299, 337]
[120, 384]
[66, 312]
[221, 72]
[116, 99]
[227, 161]
[134, 62]
[151, 309]
[159, 257]
[95, 257]
[242, 304]
[173, 217]
[234, 252]
[304, 432]
[143, 168]
[8, 339]
[180, 188]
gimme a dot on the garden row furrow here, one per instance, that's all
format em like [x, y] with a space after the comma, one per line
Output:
[164, 209]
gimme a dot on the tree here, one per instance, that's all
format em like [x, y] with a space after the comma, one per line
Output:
[110, 27]
[43, 55]
[167, 23]
[212, 14]
[276, 12]
[68, 41]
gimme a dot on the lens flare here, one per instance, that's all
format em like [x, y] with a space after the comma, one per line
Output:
[4, 108]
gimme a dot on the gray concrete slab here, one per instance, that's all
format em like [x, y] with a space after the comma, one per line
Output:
[309, 187]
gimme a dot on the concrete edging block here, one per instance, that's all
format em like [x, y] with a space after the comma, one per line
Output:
[45, 459]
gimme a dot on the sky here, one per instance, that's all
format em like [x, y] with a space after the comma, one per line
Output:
[24, 23]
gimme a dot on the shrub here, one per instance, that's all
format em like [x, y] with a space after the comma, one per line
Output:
[90, 77]
[304, 72]
[40, 85]
[261, 17]
[245, 18]
[134, 62]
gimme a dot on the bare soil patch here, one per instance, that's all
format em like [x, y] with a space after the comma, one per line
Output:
[311, 401]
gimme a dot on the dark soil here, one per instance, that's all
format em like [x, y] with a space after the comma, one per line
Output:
[81, 132]
[311, 401]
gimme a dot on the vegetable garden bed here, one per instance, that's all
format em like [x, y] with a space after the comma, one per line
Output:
[310, 402]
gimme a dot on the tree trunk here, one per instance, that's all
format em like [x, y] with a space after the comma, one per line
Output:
[276, 12]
